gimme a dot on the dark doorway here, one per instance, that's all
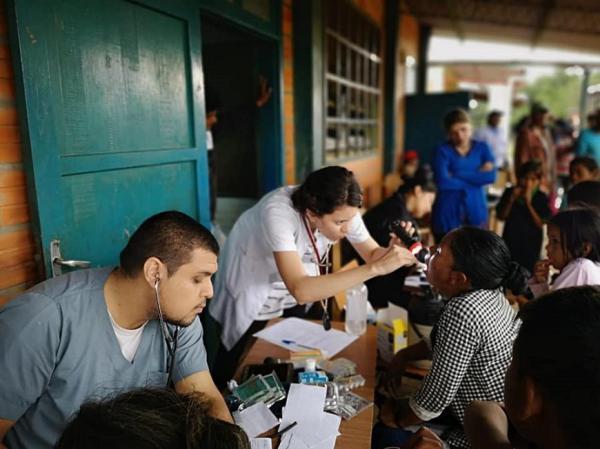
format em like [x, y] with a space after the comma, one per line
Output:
[233, 61]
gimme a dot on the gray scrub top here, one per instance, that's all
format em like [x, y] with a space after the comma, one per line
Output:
[58, 349]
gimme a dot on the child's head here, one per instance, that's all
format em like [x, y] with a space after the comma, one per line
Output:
[530, 174]
[554, 378]
[572, 234]
[583, 168]
[472, 258]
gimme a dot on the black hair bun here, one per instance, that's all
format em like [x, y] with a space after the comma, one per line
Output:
[516, 278]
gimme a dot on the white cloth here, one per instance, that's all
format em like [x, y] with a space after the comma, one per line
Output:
[209, 141]
[495, 138]
[247, 271]
[576, 273]
[129, 339]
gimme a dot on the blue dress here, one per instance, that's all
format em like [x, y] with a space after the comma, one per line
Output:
[460, 197]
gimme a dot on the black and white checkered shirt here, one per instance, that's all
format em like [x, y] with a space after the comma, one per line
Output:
[472, 347]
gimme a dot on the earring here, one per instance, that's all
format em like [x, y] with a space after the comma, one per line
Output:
[156, 281]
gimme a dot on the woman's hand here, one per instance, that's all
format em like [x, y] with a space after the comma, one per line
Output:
[394, 258]
[488, 166]
[541, 271]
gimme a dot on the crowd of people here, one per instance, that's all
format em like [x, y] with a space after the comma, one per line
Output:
[118, 356]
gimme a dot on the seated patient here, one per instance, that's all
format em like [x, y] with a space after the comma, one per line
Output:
[151, 419]
[552, 389]
[471, 343]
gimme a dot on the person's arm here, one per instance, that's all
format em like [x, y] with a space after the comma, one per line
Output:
[506, 203]
[305, 288]
[477, 178]
[441, 169]
[202, 382]
[487, 170]
[30, 333]
[537, 220]
[371, 251]
[486, 426]
[5, 426]
[457, 339]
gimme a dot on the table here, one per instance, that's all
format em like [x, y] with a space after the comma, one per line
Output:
[355, 433]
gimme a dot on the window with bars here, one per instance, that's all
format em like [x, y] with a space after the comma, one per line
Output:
[352, 81]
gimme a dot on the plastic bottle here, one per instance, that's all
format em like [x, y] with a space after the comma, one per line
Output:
[356, 309]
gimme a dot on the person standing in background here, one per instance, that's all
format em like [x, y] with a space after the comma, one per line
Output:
[535, 142]
[588, 143]
[461, 167]
[493, 135]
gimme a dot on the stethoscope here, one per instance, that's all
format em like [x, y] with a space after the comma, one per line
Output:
[170, 340]
[323, 270]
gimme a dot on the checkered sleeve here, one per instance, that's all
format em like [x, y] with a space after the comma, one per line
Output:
[456, 342]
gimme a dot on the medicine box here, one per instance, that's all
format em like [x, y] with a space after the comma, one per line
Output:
[392, 331]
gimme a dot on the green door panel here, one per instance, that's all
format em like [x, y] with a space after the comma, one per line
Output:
[105, 197]
[113, 106]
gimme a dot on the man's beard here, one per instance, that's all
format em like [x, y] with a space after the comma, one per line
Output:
[154, 315]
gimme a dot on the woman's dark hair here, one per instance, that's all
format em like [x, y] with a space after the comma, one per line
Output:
[557, 347]
[326, 189]
[171, 237]
[485, 259]
[588, 162]
[578, 226]
[150, 419]
[455, 116]
[534, 166]
[584, 194]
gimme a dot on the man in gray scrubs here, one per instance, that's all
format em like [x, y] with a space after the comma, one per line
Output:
[98, 332]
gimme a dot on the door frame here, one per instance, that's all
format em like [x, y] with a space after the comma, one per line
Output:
[269, 135]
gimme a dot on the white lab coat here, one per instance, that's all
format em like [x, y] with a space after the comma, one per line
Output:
[247, 268]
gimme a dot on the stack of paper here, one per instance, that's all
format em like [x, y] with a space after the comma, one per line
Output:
[297, 335]
[316, 429]
[256, 419]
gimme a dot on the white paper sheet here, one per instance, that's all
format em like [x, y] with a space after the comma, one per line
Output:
[260, 443]
[315, 429]
[305, 335]
[255, 419]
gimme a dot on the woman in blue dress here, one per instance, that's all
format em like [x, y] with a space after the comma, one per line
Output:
[461, 166]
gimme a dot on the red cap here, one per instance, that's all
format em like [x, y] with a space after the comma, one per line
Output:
[410, 155]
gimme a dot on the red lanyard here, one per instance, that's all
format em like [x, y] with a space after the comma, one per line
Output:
[322, 270]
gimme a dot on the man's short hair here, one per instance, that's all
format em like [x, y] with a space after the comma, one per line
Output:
[150, 419]
[169, 236]
[557, 347]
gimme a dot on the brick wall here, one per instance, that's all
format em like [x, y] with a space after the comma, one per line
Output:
[18, 268]
[288, 94]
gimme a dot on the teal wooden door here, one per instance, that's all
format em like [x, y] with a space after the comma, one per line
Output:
[113, 103]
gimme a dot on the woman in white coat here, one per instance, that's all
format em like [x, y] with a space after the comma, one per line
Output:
[276, 257]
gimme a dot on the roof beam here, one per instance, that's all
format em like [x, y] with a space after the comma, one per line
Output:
[546, 9]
